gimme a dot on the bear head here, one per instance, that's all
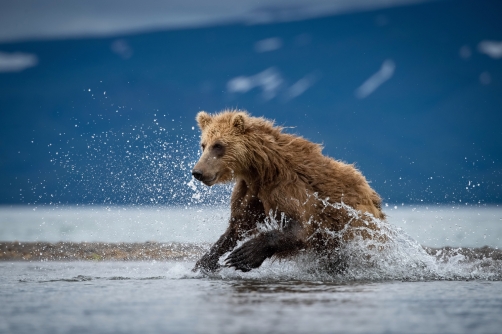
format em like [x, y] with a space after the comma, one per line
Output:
[223, 146]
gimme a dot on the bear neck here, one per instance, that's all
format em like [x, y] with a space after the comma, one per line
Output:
[271, 160]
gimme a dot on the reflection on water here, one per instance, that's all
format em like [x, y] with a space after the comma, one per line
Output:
[288, 287]
[295, 292]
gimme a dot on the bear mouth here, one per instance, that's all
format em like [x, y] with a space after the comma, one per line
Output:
[211, 181]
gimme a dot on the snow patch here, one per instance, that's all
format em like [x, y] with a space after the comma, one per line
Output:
[267, 45]
[17, 61]
[491, 48]
[376, 80]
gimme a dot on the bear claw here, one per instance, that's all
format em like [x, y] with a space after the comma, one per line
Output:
[249, 256]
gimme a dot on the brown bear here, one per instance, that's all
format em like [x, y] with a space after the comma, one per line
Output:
[284, 178]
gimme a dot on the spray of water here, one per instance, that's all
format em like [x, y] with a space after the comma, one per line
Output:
[398, 257]
[137, 165]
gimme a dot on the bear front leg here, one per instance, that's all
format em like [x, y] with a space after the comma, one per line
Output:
[209, 262]
[246, 211]
[253, 252]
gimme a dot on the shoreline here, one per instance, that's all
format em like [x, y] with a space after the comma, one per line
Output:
[170, 251]
[99, 251]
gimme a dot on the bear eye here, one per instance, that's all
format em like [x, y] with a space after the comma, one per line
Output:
[203, 146]
[217, 146]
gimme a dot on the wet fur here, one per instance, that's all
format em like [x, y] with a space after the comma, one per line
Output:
[278, 175]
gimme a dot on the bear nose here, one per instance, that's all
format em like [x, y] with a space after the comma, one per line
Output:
[197, 174]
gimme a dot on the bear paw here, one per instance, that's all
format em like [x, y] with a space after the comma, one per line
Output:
[207, 263]
[249, 256]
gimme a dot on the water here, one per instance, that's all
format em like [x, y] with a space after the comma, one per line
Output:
[434, 226]
[397, 288]
[125, 297]
[458, 226]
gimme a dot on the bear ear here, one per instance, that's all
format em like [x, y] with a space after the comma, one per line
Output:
[238, 122]
[203, 119]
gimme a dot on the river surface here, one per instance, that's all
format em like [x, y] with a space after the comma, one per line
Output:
[399, 289]
[166, 297]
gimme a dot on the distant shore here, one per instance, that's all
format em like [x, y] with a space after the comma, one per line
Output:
[98, 251]
[169, 251]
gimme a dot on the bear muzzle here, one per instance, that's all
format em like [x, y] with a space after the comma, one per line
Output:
[206, 179]
[197, 174]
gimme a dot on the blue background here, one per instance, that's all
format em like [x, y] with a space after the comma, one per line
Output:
[96, 123]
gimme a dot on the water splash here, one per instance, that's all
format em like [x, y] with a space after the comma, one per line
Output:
[136, 165]
[398, 257]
